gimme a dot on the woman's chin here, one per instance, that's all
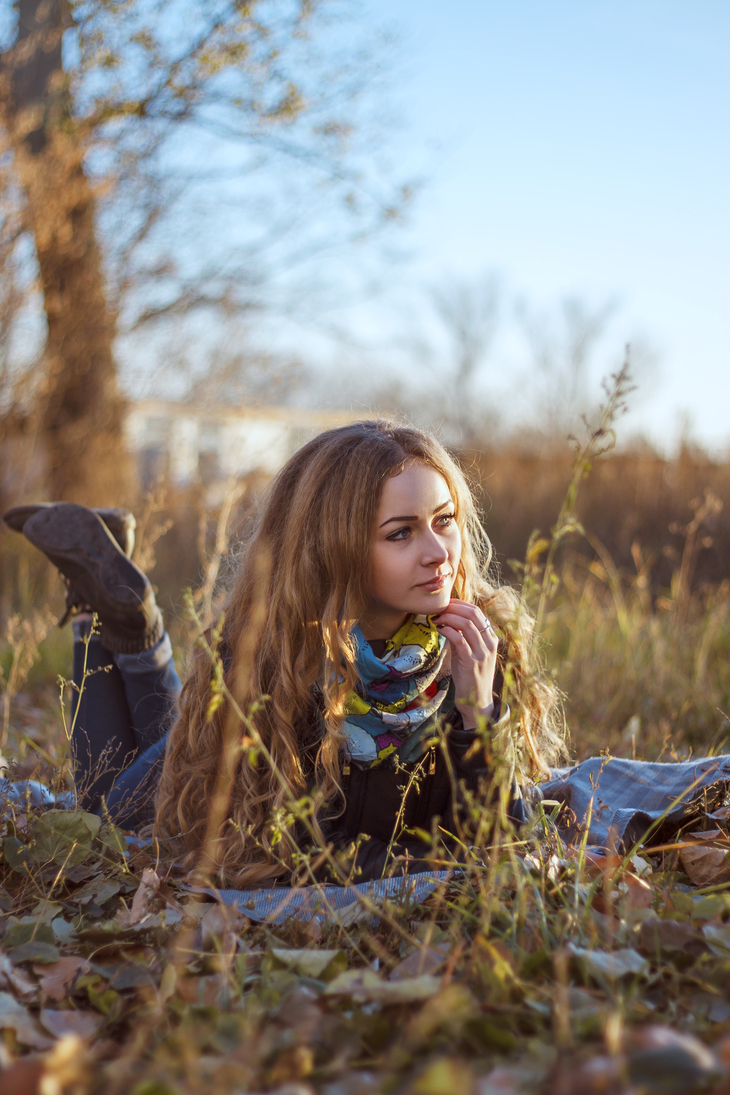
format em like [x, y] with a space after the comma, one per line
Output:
[435, 604]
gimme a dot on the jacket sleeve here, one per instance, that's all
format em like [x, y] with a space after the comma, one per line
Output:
[472, 769]
[375, 859]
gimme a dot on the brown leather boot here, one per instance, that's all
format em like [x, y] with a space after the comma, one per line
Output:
[120, 522]
[99, 574]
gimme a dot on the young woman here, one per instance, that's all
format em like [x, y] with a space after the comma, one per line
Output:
[372, 656]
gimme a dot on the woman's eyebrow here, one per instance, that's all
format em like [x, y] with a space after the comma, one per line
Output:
[414, 517]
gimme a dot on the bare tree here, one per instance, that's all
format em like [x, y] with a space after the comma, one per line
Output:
[469, 313]
[128, 121]
[558, 384]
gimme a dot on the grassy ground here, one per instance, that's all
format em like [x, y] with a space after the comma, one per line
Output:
[527, 973]
[530, 971]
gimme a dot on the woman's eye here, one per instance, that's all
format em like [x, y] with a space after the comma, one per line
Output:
[400, 534]
[446, 519]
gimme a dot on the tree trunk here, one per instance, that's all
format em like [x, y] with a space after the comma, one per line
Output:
[81, 412]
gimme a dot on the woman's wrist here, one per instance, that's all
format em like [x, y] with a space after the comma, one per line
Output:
[472, 717]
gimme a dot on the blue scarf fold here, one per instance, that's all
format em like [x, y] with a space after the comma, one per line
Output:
[398, 693]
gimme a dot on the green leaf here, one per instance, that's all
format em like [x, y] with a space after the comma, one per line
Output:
[112, 838]
[35, 951]
[47, 910]
[153, 1087]
[63, 838]
[27, 930]
[485, 1032]
[15, 854]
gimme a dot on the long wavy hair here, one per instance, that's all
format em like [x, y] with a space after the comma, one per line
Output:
[301, 585]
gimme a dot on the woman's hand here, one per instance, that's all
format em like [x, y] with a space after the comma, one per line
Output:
[473, 659]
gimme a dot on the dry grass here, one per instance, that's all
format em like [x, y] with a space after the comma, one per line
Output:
[528, 973]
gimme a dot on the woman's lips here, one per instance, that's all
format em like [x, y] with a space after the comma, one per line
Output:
[434, 584]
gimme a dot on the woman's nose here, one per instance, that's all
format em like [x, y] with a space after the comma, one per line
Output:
[435, 549]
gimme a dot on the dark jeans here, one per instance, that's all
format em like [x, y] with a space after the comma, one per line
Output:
[122, 709]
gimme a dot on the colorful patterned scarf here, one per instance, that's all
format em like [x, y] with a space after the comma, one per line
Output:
[398, 692]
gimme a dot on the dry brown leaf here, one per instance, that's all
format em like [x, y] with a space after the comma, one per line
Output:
[14, 1016]
[142, 901]
[15, 978]
[426, 960]
[668, 933]
[60, 1023]
[222, 923]
[200, 990]
[620, 886]
[707, 864]
[56, 979]
[671, 1060]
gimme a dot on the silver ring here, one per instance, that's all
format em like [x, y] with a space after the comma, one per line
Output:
[487, 628]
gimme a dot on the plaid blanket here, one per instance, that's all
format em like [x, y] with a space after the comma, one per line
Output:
[345, 904]
[624, 802]
[618, 802]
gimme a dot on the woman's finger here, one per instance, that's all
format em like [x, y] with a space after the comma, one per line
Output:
[478, 637]
[460, 645]
[479, 643]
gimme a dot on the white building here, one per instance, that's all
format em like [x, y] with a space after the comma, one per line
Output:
[214, 444]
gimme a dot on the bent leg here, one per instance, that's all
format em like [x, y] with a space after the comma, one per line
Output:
[123, 711]
[102, 740]
[152, 687]
[131, 801]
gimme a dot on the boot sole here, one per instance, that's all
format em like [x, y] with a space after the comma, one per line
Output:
[76, 541]
[120, 522]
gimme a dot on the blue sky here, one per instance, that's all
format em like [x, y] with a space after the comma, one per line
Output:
[581, 147]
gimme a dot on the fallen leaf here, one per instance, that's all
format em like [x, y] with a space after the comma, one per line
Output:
[510, 1081]
[131, 976]
[112, 838]
[445, 1076]
[27, 930]
[425, 960]
[60, 1023]
[16, 979]
[98, 890]
[718, 938]
[142, 900]
[620, 885]
[200, 990]
[56, 979]
[223, 923]
[311, 963]
[63, 837]
[706, 864]
[365, 985]
[722, 1052]
[15, 1017]
[619, 963]
[168, 983]
[710, 1006]
[596, 1076]
[62, 930]
[36, 951]
[46, 910]
[663, 1059]
[668, 933]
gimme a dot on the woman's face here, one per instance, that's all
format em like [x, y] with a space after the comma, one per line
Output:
[415, 552]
